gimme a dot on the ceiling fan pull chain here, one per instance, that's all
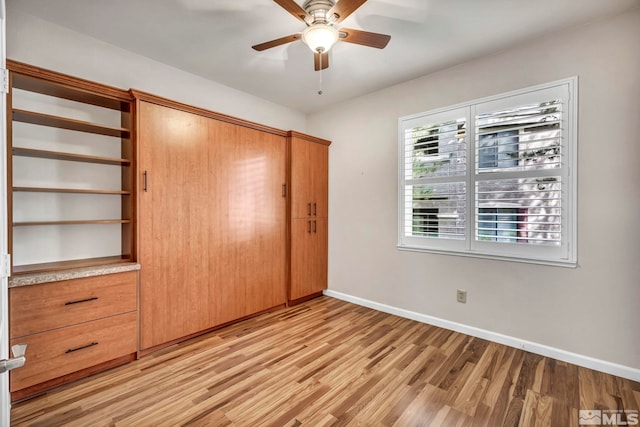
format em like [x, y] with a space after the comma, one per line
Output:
[320, 88]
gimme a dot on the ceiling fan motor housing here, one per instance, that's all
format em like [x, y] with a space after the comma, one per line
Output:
[318, 10]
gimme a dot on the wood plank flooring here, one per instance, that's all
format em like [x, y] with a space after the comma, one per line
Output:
[330, 363]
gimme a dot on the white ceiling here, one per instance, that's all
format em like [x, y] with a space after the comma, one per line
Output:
[213, 38]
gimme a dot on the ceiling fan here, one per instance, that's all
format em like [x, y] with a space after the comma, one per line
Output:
[321, 17]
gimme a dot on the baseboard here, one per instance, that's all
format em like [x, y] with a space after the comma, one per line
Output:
[541, 349]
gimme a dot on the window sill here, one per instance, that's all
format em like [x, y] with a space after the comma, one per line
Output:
[548, 262]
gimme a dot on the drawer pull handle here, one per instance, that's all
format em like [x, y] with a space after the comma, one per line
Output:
[81, 300]
[71, 350]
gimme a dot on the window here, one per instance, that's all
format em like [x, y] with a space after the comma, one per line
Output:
[492, 178]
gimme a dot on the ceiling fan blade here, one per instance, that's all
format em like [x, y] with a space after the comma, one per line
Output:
[344, 8]
[293, 8]
[277, 42]
[365, 38]
[323, 59]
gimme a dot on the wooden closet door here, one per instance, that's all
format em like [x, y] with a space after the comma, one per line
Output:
[174, 223]
[301, 182]
[308, 257]
[247, 215]
[319, 167]
[309, 185]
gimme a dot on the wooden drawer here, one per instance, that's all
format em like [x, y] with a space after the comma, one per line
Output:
[62, 351]
[39, 308]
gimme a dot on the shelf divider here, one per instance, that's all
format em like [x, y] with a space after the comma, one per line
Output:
[58, 155]
[66, 123]
[65, 265]
[71, 190]
[73, 222]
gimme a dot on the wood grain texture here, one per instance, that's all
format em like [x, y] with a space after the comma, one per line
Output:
[328, 362]
[310, 138]
[40, 80]
[309, 179]
[65, 265]
[174, 224]
[308, 217]
[154, 99]
[309, 248]
[59, 352]
[213, 223]
[66, 123]
[247, 221]
[30, 392]
[56, 155]
[39, 308]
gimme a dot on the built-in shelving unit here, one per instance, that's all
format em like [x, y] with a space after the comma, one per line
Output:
[89, 124]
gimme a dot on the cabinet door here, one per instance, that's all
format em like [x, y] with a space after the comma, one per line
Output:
[309, 187]
[319, 167]
[308, 257]
[174, 224]
[301, 183]
[247, 214]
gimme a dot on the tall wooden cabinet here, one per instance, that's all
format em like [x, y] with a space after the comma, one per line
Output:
[212, 221]
[308, 159]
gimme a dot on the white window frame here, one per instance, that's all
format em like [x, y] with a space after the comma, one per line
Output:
[563, 255]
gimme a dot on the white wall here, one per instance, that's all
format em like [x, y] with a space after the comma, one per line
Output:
[41, 43]
[593, 310]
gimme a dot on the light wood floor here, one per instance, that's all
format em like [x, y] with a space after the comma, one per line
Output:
[327, 362]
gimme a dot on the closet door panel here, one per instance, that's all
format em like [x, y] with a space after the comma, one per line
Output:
[248, 221]
[301, 183]
[308, 257]
[302, 258]
[174, 219]
[319, 165]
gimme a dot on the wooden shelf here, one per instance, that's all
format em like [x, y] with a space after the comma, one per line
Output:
[60, 90]
[70, 190]
[77, 222]
[66, 265]
[57, 155]
[66, 123]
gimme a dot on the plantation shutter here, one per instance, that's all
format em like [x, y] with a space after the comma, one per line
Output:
[520, 170]
[493, 177]
[435, 166]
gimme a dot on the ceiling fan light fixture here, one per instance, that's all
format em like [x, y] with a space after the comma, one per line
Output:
[320, 37]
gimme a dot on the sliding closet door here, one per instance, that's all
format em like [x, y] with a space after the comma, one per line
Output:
[175, 224]
[247, 214]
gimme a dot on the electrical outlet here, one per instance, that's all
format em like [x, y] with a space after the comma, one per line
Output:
[461, 296]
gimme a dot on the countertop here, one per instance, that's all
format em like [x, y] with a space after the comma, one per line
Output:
[73, 273]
